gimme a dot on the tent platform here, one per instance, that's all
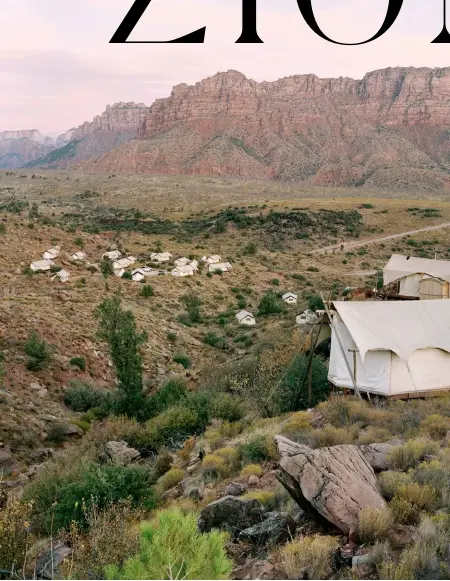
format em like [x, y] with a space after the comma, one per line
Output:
[408, 395]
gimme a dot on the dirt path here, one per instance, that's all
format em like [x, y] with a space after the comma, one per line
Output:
[358, 243]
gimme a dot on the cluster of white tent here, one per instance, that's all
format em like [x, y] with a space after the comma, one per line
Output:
[46, 263]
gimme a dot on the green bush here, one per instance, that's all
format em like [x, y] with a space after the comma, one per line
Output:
[39, 352]
[173, 548]
[106, 268]
[250, 249]
[293, 389]
[227, 407]
[57, 433]
[58, 500]
[315, 303]
[256, 450]
[183, 360]
[171, 336]
[215, 341]
[170, 429]
[192, 303]
[127, 275]
[171, 393]
[147, 291]
[270, 304]
[81, 397]
[79, 362]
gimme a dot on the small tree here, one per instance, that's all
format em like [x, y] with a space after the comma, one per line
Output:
[106, 268]
[173, 548]
[38, 351]
[118, 328]
[270, 304]
[315, 303]
[34, 211]
[79, 242]
[192, 303]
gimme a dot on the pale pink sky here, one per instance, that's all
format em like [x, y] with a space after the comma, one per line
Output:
[57, 68]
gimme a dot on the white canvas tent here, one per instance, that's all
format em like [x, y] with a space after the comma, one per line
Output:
[400, 348]
[410, 271]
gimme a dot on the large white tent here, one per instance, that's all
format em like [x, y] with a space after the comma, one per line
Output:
[398, 348]
[411, 270]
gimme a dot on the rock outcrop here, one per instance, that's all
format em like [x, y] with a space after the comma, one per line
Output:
[120, 453]
[335, 483]
[231, 514]
[378, 454]
[277, 527]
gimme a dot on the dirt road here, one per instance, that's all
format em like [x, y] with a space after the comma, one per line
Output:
[359, 243]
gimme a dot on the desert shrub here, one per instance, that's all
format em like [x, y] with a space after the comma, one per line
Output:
[331, 436]
[39, 352]
[112, 536]
[60, 499]
[192, 303]
[170, 479]
[411, 454]
[436, 475]
[213, 467]
[57, 433]
[252, 470]
[265, 497]
[315, 303]
[314, 553]
[171, 336]
[270, 304]
[79, 362]
[81, 397]
[173, 548]
[146, 291]
[227, 407]
[257, 449]
[170, 429]
[373, 434]
[127, 275]
[182, 359]
[230, 456]
[163, 463]
[214, 438]
[298, 426]
[435, 425]
[421, 496]
[250, 249]
[15, 537]
[374, 525]
[403, 511]
[171, 393]
[215, 341]
[106, 268]
[390, 481]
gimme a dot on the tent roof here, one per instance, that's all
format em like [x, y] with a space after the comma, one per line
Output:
[243, 314]
[400, 266]
[401, 327]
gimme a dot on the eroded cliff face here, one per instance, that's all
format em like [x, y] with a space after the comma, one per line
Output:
[20, 147]
[325, 131]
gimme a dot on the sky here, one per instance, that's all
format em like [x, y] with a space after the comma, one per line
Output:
[58, 69]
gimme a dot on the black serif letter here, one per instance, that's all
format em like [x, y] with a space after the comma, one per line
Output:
[133, 17]
[393, 11]
[249, 31]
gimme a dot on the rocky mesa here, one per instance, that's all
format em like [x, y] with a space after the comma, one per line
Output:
[387, 130]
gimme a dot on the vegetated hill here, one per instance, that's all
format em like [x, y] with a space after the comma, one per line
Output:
[20, 147]
[390, 129]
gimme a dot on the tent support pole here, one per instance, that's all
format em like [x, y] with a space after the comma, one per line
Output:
[355, 387]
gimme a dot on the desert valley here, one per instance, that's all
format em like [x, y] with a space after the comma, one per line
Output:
[169, 406]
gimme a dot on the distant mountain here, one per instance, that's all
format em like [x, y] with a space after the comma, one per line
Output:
[389, 130]
[17, 148]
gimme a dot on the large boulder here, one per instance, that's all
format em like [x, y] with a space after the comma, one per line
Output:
[335, 483]
[231, 514]
[276, 528]
[48, 563]
[120, 453]
[378, 455]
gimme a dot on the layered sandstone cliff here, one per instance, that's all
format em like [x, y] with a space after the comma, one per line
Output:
[20, 147]
[389, 129]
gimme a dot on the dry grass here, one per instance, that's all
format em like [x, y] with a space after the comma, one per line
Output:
[374, 525]
[313, 554]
